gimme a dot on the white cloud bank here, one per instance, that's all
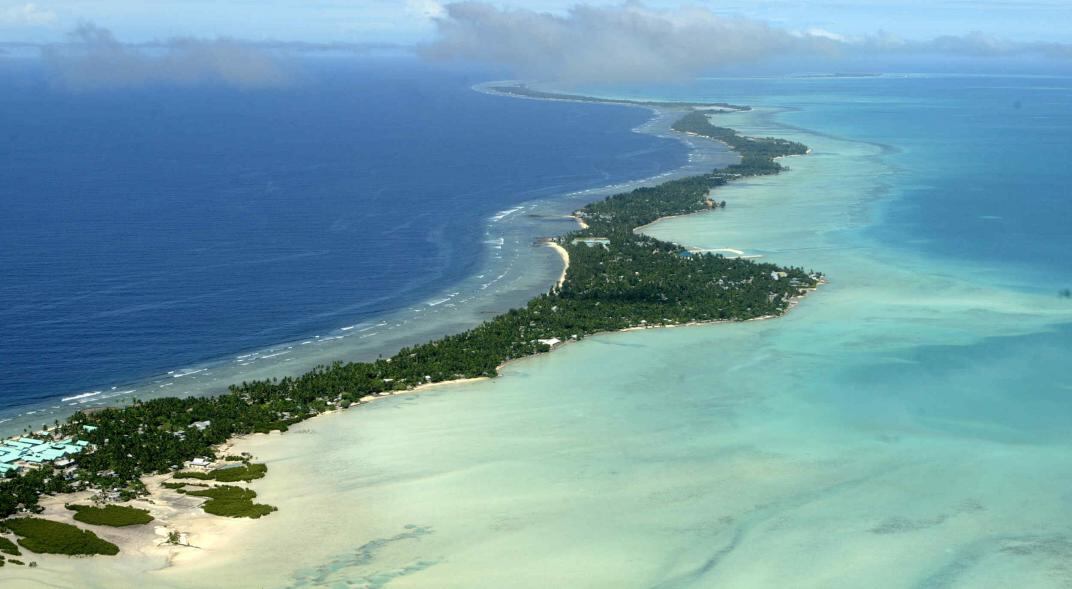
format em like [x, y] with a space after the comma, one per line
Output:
[607, 44]
[28, 14]
[93, 59]
[631, 42]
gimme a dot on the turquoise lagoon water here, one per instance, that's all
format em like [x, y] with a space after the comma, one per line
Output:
[906, 426]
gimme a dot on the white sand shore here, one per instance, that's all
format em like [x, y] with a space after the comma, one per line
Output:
[731, 250]
[565, 262]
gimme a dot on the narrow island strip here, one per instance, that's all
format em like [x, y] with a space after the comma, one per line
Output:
[523, 91]
[615, 278]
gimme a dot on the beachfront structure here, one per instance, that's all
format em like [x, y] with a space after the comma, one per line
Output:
[22, 452]
[201, 425]
[592, 241]
[552, 342]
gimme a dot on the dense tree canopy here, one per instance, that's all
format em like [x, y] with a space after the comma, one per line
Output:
[616, 279]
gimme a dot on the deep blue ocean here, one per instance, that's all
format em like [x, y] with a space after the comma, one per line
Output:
[153, 228]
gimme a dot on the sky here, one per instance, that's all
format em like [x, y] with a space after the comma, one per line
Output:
[91, 44]
[411, 21]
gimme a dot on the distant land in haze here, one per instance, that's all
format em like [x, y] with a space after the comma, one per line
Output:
[839, 75]
[526, 92]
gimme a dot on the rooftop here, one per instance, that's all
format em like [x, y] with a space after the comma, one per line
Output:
[29, 450]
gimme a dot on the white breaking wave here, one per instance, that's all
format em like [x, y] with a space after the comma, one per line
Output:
[177, 374]
[82, 396]
[503, 214]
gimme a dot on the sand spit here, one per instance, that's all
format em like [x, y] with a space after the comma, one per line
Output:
[565, 261]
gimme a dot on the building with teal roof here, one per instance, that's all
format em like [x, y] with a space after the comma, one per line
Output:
[30, 441]
[24, 451]
[50, 454]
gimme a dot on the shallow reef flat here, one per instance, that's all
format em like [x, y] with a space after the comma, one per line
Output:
[903, 427]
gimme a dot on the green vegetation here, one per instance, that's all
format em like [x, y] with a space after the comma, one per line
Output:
[231, 501]
[526, 92]
[233, 474]
[618, 279]
[46, 536]
[110, 515]
[22, 491]
[757, 153]
[8, 547]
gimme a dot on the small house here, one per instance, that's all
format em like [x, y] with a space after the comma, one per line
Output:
[592, 241]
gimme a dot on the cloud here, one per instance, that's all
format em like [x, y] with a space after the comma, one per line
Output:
[610, 44]
[426, 8]
[825, 34]
[26, 14]
[975, 44]
[630, 42]
[983, 45]
[94, 59]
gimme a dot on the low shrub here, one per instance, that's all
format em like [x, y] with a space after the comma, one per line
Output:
[246, 472]
[8, 547]
[51, 537]
[231, 501]
[111, 515]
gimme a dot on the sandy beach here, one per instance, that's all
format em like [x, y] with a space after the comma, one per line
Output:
[565, 262]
